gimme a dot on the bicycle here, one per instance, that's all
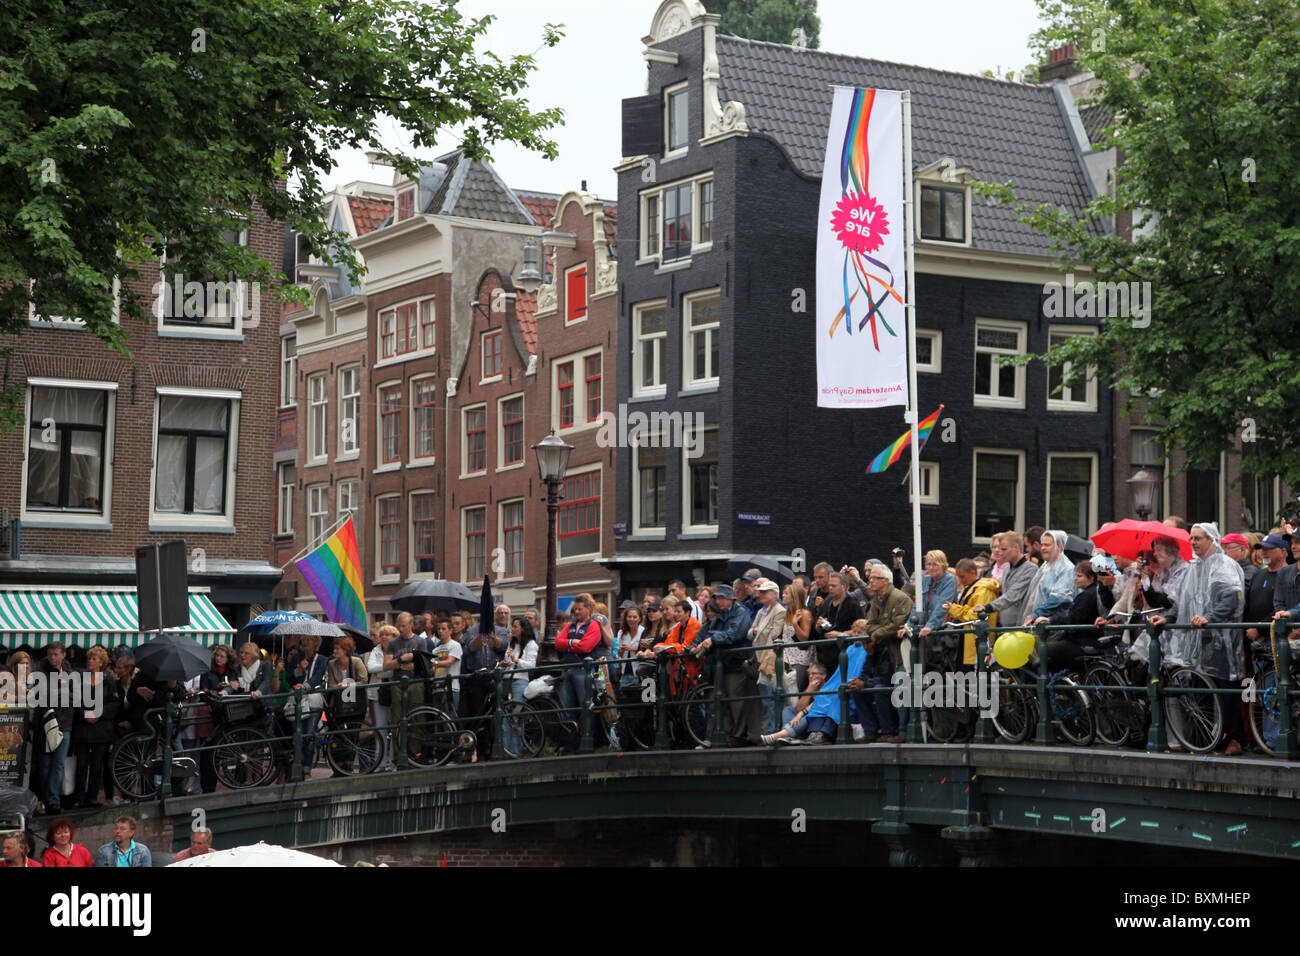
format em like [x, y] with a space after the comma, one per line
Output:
[947, 724]
[691, 711]
[1265, 712]
[137, 759]
[1017, 716]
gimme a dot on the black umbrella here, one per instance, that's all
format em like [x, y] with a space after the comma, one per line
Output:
[1077, 549]
[437, 595]
[172, 657]
[362, 639]
[485, 607]
[737, 566]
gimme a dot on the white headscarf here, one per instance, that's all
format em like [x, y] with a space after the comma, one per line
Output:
[1054, 582]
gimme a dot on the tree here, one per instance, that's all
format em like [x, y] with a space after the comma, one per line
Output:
[127, 129]
[1206, 122]
[773, 20]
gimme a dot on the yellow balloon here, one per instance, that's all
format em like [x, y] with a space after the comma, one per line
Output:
[1012, 649]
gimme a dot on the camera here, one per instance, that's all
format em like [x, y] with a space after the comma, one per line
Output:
[898, 552]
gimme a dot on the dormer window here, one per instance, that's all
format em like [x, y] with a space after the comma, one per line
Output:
[675, 119]
[943, 213]
[406, 203]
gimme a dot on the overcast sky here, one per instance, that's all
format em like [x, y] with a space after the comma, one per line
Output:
[598, 64]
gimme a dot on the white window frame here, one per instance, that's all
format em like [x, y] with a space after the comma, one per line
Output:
[464, 544]
[47, 519]
[660, 390]
[412, 573]
[62, 322]
[320, 491]
[284, 508]
[413, 444]
[929, 471]
[235, 331]
[935, 183]
[688, 334]
[1092, 485]
[1018, 520]
[354, 499]
[380, 464]
[288, 372]
[687, 461]
[505, 574]
[935, 364]
[464, 440]
[342, 452]
[638, 529]
[668, 93]
[697, 214]
[1089, 403]
[167, 520]
[501, 432]
[644, 253]
[317, 455]
[420, 350]
[579, 360]
[500, 334]
[1022, 332]
[382, 576]
[600, 523]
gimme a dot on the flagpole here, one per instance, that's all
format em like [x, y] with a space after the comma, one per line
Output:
[913, 404]
[324, 537]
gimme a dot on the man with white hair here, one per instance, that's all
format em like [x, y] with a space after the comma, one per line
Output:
[1213, 590]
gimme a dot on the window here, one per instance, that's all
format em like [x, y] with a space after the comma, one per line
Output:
[700, 461]
[706, 213]
[422, 526]
[475, 456]
[1259, 501]
[702, 328]
[649, 358]
[1062, 397]
[1071, 482]
[1205, 494]
[318, 514]
[406, 204]
[347, 498]
[1147, 453]
[943, 214]
[575, 294]
[677, 222]
[650, 228]
[492, 354]
[390, 424]
[929, 351]
[316, 416]
[286, 475]
[406, 328]
[929, 482]
[591, 378]
[650, 474]
[676, 119]
[996, 382]
[474, 522]
[205, 302]
[578, 523]
[428, 325]
[68, 449]
[565, 379]
[387, 334]
[349, 408]
[512, 431]
[424, 395]
[288, 371]
[512, 538]
[193, 454]
[999, 495]
[390, 535]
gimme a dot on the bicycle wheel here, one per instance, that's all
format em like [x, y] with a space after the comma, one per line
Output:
[355, 748]
[1017, 709]
[1071, 712]
[636, 717]
[1266, 715]
[1195, 719]
[1119, 716]
[700, 715]
[244, 757]
[432, 737]
[137, 766]
[524, 723]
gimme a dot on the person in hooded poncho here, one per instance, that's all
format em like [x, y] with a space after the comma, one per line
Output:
[1053, 585]
[1213, 590]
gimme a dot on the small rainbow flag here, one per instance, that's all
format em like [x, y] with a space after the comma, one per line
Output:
[895, 450]
[333, 572]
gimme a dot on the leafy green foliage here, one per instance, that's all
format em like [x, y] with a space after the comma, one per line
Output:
[1207, 125]
[772, 20]
[130, 128]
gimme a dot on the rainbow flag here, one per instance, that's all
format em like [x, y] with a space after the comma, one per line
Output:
[333, 572]
[895, 450]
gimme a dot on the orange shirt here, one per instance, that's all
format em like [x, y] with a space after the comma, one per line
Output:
[678, 640]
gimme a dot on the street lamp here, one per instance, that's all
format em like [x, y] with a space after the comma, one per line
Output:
[530, 277]
[552, 463]
[1144, 492]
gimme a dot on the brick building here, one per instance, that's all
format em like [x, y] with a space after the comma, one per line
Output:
[173, 442]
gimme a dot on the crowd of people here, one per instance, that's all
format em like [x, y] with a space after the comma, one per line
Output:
[62, 849]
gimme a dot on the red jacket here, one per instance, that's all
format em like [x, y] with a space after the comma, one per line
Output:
[585, 644]
[80, 856]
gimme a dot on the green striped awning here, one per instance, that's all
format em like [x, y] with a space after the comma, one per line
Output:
[108, 616]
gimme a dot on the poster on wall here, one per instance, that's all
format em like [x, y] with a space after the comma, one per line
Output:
[13, 745]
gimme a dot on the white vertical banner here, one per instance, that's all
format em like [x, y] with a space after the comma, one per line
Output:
[861, 280]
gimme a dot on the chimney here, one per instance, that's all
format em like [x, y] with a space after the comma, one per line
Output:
[1060, 65]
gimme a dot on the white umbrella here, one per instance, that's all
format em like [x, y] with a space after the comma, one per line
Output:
[262, 854]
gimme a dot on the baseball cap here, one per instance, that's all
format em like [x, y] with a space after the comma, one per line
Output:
[1273, 541]
[769, 586]
[751, 576]
[725, 591]
[1235, 538]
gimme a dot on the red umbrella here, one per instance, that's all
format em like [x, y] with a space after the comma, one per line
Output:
[1128, 538]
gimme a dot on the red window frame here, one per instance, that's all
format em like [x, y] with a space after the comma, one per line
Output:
[580, 506]
[514, 554]
[564, 380]
[424, 435]
[423, 518]
[475, 541]
[390, 418]
[575, 295]
[512, 431]
[492, 353]
[591, 368]
[406, 204]
[404, 335]
[389, 535]
[475, 440]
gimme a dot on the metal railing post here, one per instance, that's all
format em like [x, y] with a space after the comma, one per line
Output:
[982, 734]
[719, 738]
[296, 770]
[661, 704]
[498, 749]
[915, 712]
[778, 687]
[586, 745]
[1045, 735]
[165, 789]
[403, 758]
[844, 734]
[1156, 737]
[1282, 670]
